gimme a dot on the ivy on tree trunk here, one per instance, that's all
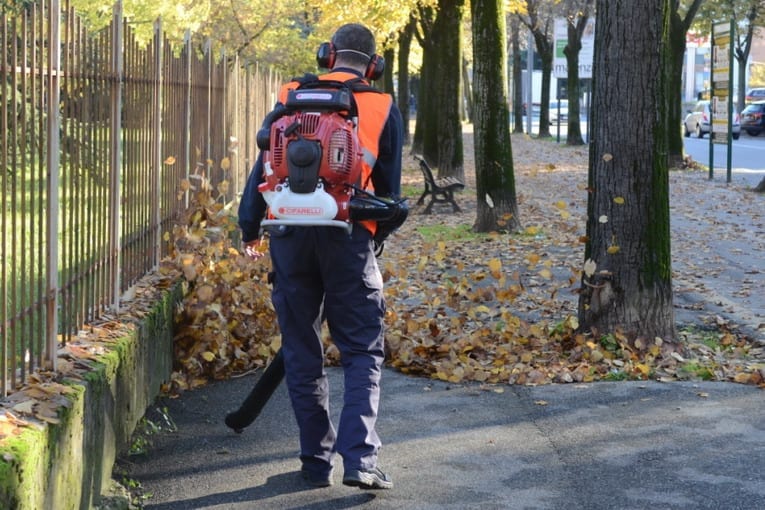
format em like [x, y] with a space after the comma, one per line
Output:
[497, 207]
[627, 274]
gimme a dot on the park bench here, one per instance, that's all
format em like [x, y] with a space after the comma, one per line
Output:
[441, 191]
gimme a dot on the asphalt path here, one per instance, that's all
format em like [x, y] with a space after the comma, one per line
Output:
[621, 445]
[605, 445]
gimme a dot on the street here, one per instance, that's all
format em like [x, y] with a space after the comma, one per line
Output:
[747, 158]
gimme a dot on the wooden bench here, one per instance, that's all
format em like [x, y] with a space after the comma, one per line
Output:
[441, 191]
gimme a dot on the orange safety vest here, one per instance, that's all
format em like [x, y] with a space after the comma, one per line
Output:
[373, 114]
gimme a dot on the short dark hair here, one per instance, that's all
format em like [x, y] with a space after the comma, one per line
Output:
[359, 42]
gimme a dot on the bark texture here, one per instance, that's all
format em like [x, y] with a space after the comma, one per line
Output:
[627, 277]
[495, 183]
[438, 132]
[404, 94]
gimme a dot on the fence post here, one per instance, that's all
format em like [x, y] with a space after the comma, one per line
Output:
[187, 131]
[115, 160]
[207, 154]
[53, 159]
[157, 138]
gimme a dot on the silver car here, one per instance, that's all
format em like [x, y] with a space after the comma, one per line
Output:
[697, 121]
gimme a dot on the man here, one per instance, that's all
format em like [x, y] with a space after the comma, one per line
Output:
[325, 272]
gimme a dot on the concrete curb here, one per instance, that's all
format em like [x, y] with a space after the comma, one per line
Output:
[68, 465]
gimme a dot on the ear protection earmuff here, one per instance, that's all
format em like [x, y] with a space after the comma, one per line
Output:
[325, 58]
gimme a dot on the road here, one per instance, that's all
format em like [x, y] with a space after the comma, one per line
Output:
[747, 158]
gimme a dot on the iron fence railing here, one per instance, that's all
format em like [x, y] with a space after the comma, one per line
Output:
[98, 131]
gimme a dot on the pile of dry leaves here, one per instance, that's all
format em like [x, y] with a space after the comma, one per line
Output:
[497, 308]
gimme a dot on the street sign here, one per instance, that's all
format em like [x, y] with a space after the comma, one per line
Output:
[721, 101]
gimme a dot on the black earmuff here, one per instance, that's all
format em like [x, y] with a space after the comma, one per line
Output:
[325, 59]
[325, 55]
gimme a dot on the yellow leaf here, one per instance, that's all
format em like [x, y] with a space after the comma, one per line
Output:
[560, 204]
[495, 266]
[546, 274]
[619, 200]
[170, 160]
[225, 163]
[208, 356]
[613, 249]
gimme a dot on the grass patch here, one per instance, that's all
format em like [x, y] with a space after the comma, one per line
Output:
[695, 370]
[712, 338]
[411, 191]
[449, 233]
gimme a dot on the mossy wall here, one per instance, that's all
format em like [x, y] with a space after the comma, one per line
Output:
[66, 466]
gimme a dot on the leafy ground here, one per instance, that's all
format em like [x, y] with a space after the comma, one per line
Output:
[489, 309]
[501, 308]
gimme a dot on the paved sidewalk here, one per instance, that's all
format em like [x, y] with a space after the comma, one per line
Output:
[622, 445]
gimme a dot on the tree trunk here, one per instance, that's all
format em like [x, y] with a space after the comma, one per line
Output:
[627, 276]
[467, 94]
[574, 45]
[515, 30]
[495, 183]
[389, 55]
[678, 30]
[543, 43]
[741, 53]
[404, 95]
[427, 111]
[442, 143]
[676, 144]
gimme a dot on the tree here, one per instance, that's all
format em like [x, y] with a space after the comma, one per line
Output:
[438, 132]
[404, 95]
[681, 18]
[515, 34]
[495, 182]
[627, 276]
[538, 17]
[577, 18]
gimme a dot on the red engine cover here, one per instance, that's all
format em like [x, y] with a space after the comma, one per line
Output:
[341, 153]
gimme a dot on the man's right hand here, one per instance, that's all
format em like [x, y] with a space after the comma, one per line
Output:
[253, 249]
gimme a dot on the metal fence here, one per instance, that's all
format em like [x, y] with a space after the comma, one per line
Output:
[98, 132]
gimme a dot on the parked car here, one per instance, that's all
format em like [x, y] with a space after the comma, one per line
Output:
[753, 118]
[563, 110]
[755, 94]
[697, 121]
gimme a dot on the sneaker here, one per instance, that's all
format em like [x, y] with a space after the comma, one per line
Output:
[315, 479]
[367, 479]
